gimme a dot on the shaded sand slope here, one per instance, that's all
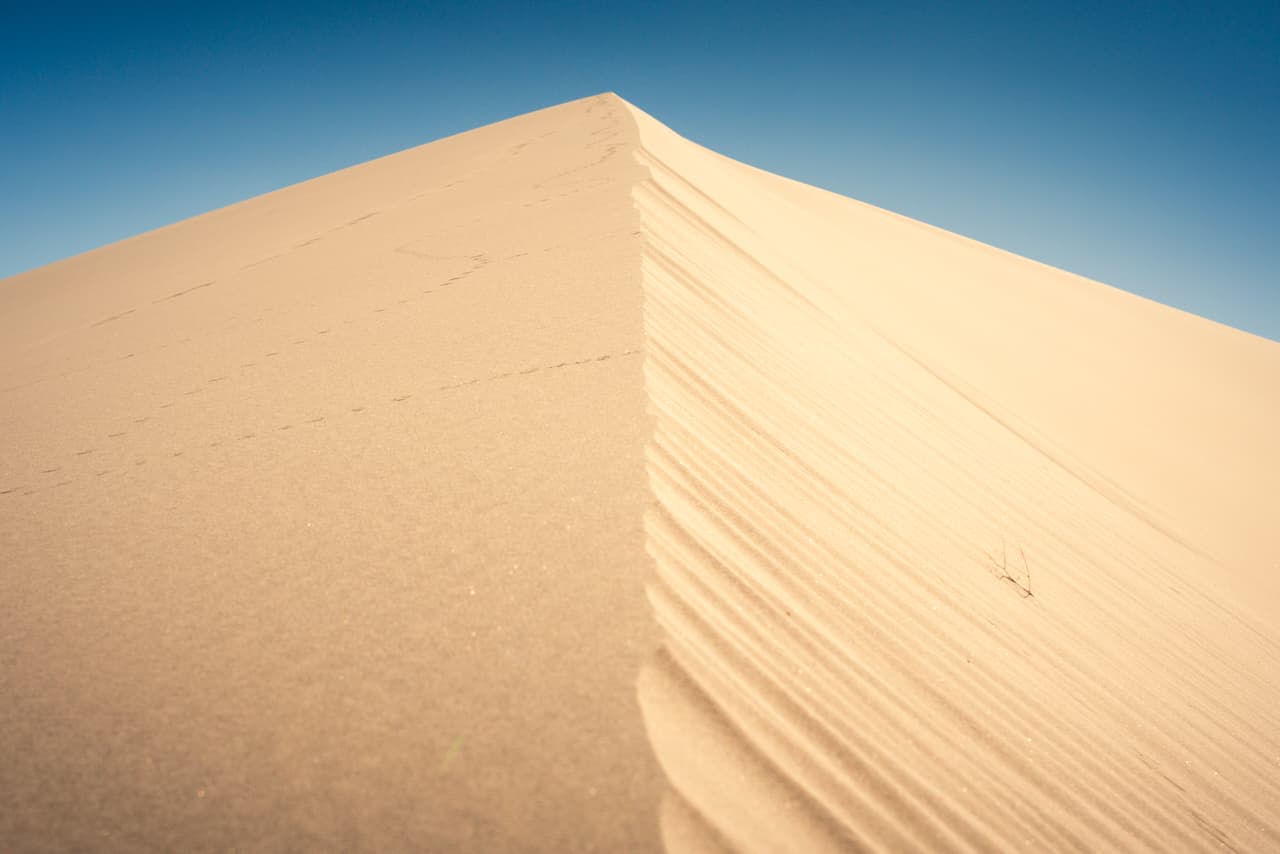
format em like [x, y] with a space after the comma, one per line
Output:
[862, 423]
[321, 524]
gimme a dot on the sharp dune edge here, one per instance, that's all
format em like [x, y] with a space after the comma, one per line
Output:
[858, 419]
[328, 519]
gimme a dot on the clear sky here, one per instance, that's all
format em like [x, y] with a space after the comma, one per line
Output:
[1135, 144]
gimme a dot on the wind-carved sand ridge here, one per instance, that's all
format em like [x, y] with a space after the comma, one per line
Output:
[326, 521]
[852, 660]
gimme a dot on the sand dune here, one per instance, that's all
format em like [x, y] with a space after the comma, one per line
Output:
[328, 518]
[342, 550]
[863, 423]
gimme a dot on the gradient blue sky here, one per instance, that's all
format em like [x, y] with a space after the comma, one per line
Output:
[1134, 144]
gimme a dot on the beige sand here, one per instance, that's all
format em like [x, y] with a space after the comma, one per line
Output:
[327, 520]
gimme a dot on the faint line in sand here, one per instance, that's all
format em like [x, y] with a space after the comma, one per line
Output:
[451, 754]
[181, 293]
[113, 317]
[537, 368]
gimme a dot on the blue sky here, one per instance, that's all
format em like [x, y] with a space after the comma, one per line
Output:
[1131, 143]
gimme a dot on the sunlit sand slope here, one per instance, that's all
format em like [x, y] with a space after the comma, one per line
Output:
[326, 521]
[954, 551]
[322, 515]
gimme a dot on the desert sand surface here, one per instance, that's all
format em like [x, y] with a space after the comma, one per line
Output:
[566, 486]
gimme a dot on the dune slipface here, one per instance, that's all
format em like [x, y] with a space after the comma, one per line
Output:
[329, 520]
[954, 550]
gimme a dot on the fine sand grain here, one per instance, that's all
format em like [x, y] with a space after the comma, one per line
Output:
[324, 515]
[357, 517]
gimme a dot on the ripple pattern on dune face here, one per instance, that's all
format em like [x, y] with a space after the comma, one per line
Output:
[326, 520]
[895, 617]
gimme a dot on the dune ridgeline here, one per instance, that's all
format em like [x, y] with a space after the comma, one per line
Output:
[563, 485]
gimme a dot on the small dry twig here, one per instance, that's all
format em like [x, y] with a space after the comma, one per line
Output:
[1002, 566]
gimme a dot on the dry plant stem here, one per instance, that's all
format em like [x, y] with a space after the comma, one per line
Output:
[1002, 566]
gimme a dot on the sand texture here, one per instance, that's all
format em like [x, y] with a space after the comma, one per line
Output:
[566, 486]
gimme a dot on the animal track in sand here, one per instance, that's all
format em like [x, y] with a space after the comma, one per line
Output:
[262, 261]
[113, 317]
[242, 436]
[537, 369]
[554, 181]
[182, 293]
[478, 261]
[360, 219]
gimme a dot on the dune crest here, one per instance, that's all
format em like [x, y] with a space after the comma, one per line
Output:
[358, 515]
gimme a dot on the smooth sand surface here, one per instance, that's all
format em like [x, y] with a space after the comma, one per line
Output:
[327, 522]
[323, 524]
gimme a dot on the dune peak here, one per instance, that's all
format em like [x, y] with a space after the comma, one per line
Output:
[565, 485]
